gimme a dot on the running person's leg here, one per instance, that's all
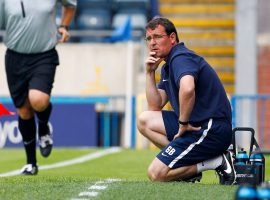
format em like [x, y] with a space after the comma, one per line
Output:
[27, 127]
[17, 76]
[40, 87]
[40, 102]
[25, 74]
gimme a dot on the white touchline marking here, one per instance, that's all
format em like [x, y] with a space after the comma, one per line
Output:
[89, 194]
[81, 159]
[100, 182]
[111, 180]
[98, 187]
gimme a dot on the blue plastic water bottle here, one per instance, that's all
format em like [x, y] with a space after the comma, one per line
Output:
[263, 192]
[246, 192]
[256, 159]
[241, 157]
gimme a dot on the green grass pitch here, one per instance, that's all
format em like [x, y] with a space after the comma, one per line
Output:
[81, 181]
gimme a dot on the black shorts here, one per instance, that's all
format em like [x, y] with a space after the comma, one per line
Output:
[30, 71]
[194, 146]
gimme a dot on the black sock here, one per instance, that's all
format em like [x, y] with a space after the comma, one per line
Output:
[28, 132]
[43, 118]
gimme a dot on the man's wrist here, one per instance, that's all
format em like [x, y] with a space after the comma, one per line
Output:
[150, 72]
[183, 123]
[64, 26]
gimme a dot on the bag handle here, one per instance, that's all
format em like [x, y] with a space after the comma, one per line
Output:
[252, 142]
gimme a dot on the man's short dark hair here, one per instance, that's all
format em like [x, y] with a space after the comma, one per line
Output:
[167, 24]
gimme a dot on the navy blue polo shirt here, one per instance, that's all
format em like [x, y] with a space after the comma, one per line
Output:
[211, 100]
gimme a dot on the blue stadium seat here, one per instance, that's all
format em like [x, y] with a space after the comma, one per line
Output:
[138, 20]
[139, 10]
[122, 32]
[94, 19]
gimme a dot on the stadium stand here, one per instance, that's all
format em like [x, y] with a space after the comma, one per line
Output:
[99, 18]
[207, 27]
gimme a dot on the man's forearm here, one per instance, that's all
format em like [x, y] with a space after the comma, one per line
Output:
[186, 105]
[153, 97]
[68, 14]
[186, 97]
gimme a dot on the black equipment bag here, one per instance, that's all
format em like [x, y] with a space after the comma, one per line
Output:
[249, 173]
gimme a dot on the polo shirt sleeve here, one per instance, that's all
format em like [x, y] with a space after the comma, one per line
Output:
[162, 77]
[69, 3]
[184, 65]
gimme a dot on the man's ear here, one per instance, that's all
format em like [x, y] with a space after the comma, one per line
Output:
[173, 38]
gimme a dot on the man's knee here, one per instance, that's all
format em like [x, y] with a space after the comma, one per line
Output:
[39, 100]
[154, 174]
[142, 121]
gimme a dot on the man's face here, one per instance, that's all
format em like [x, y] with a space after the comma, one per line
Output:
[158, 41]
